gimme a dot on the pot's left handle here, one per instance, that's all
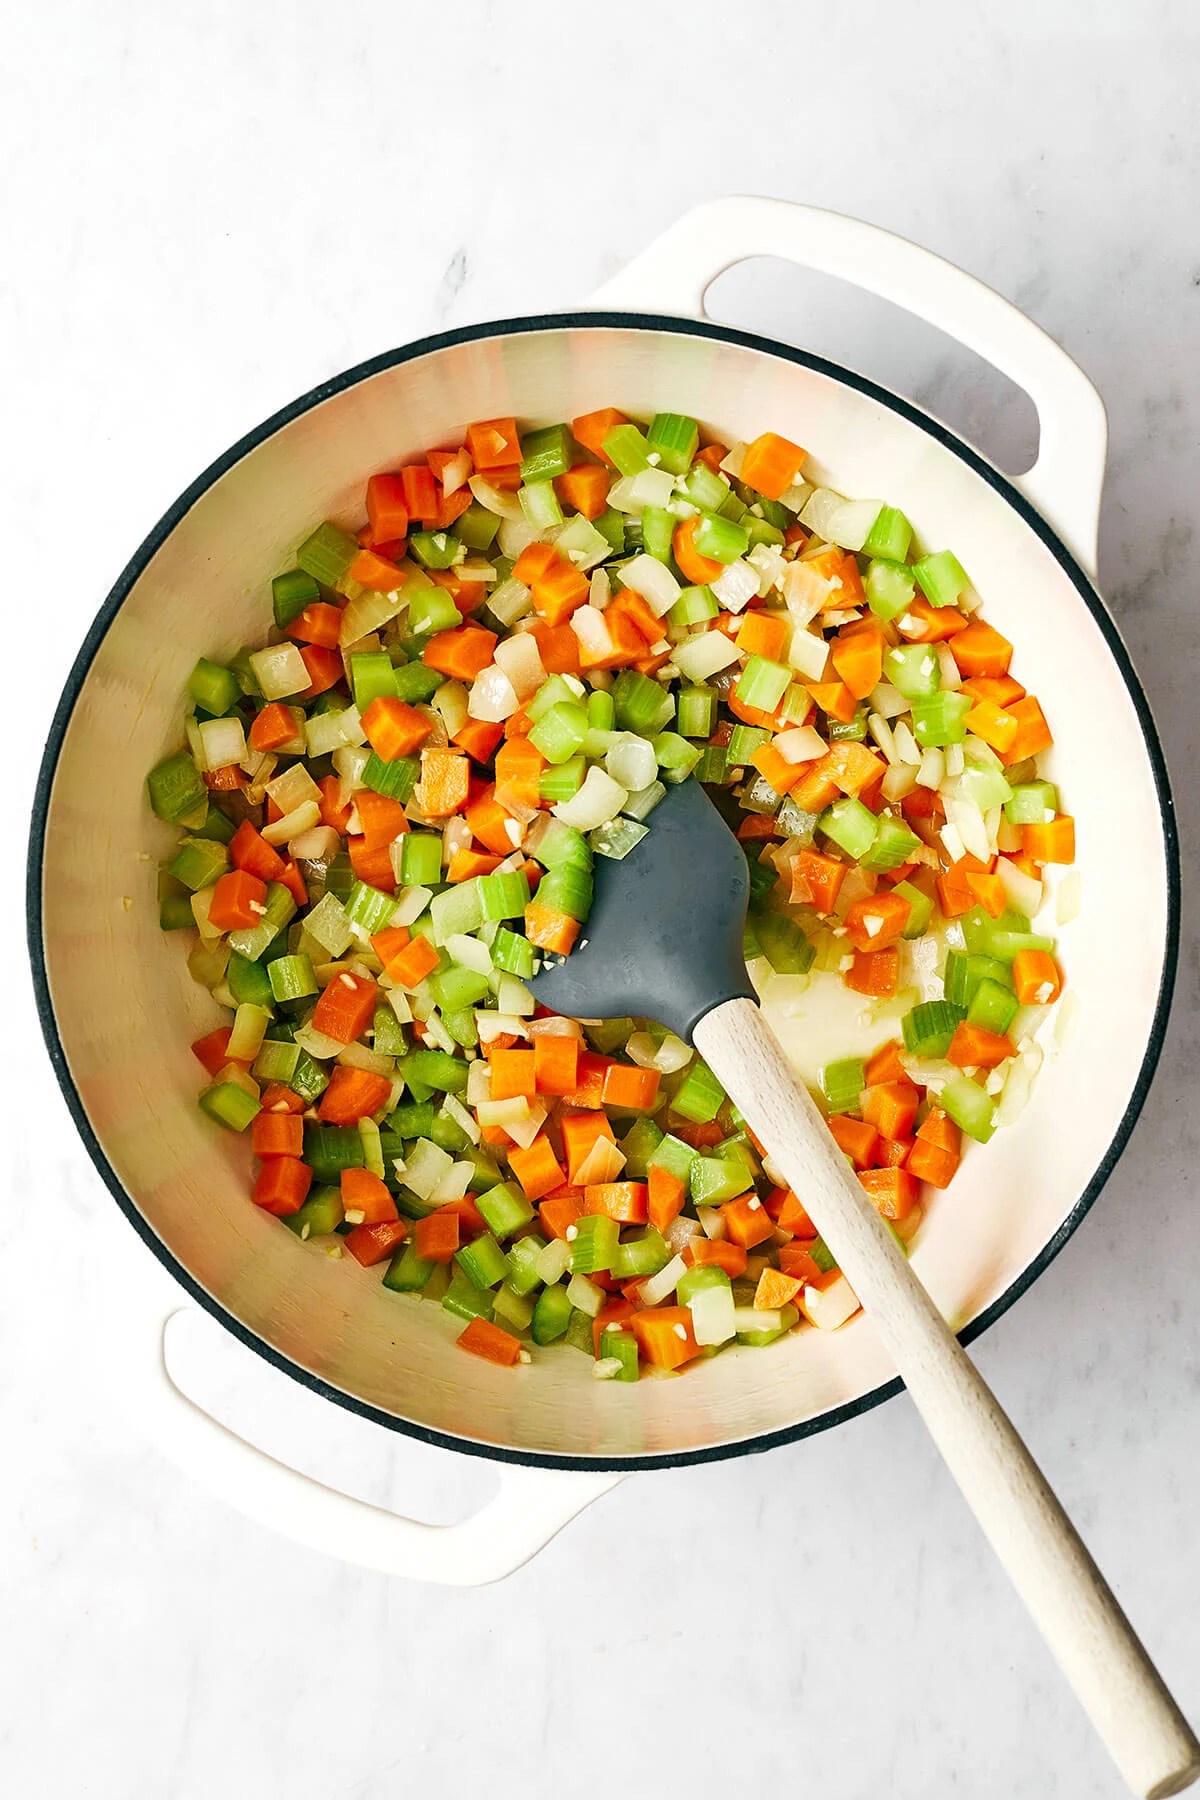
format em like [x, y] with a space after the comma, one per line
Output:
[531, 1507]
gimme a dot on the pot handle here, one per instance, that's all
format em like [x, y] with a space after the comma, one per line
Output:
[675, 272]
[531, 1507]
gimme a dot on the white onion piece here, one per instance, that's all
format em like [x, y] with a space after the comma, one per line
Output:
[1066, 898]
[808, 653]
[593, 634]
[495, 500]
[505, 1113]
[521, 661]
[881, 731]
[655, 583]
[888, 701]
[899, 781]
[1023, 892]
[454, 1185]
[279, 671]
[705, 654]
[971, 826]
[950, 672]
[456, 471]
[771, 567]
[603, 1162]
[800, 744]
[293, 788]
[411, 905]
[456, 836]
[932, 772]
[222, 741]
[492, 698]
[805, 591]
[733, 460]
[631, 761]
[321, 844]
[511, 601]
[554, 1026]
[649, 487]
[735, 585]
[514, 536]
[294, 824]
[599, 589]
[598, 800]
[367, 611]
[906, 744]
[469, 952]
[426, 1165]
[450, 704]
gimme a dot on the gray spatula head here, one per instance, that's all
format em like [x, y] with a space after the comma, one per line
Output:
[664, 937]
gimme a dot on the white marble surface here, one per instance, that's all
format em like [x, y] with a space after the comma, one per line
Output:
[213, 207]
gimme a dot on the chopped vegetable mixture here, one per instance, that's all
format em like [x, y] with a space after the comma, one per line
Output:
[390, 813]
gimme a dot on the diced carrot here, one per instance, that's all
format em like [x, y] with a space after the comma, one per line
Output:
[559, 591]
[363, 1192]
[665, 1336]
[1033, 733]
[213, 1050]
[955, 895]
[444, 784]
[278, 1098]
[371, 1244]
[559, 1211]
[461, 654]
[1000, 688]
[353, 1094]
[816, 879]
[422, 493]
[555, 1062]
[466, 864]
[634, 1088]
[519, 766]
[513, 1075]
[797, 1260]
[591, 429]
[273, 727]
[665, 1195]
[333, 812]
[700, 1135]
[382, 820]
[834, 698]
[856, 1137]
[281, 1185]
[581, 1131]
[877, 920]
[590, 1075]
[894, 1152]
[712, 455]
[771, 464]
[478, 737]
[624, 1201]
[459, 459]
[874, 972]
[249, 850]
[518, 724]
[489, 822]
[484, 1339]
[550, 929]
[494, 444]
[346, 1007]
[436, 1236]
[857, 653]
[536, 1168]
[775, 769]
[974, 1047]
[534, 561]
[1050, 843]
[238, 900]
[891, 1107]
[558, 647]
[393, 728]
[929, 1162]
[585, 487]
[630, 605]
[756, 827]
[325, 670]
[715, 1253]
[776, 1289]
[788, 1212]
[372, 866]
[921, 623]
[886, 1065]
[852, 768]
[452, 507]
[764, 634]
[373, 571]
[409, 967]
[979, 649]
[989, 890]
[694, 567]
[893, 1192]
[386, 510]
[746, 1221]
[319, 623]
[277, 1134]
[993, 724]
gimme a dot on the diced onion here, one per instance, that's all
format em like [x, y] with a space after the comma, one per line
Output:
[495, 500]
[899, 781]
[321, 844]
[800, 744]
[705, 654]
[521, 661]
[450, 704]
[514, 536]
[598, 800]
[294, 824]
[279, 671]
[631, 761]
[456, 471]
[603, 1162]
[593, 634]
[657, 1287]
[293, 788]
[649, 487]
[805, 591]
[881, 731]
[511, 601]
[808, 653]
[222, 741]
[492, 698]
[950, 672]
[888, 701]
[735, 585]
[599, 589]
[1066, 898]
[1023, 892]
[655, 583]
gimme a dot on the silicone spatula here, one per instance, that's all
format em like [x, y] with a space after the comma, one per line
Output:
[664, 941]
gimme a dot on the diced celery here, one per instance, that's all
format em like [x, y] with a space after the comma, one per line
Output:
[783, 943]
[326, 554]
[320, 1214]
[291, 977]
[408, 1273]
[914, 670]
[594, 1244]
[482, 1261]
[720, 538]
[889, 536]
[920, 908]
[929, 1027]
[762, 683]
[396, 780]
[890, 589]
[551, 1315]
[290, 594]
[941, 578]
[539, 503]
[505, 1209]
[714, 1179]
[694, 606]
[842, 1083]
[616, 839]
[972, 1110]
[421, 863]
[850, 825]
[699, 1096]
[894, 844]
[993, 1006]
[640, 704]
[176, 788]
[620, 1346]
[230, 1105]
[465, 1300]
[1032, 803]
[214, 689]
[369, 908]
[941, 719]
[675, 439]
[430, 609]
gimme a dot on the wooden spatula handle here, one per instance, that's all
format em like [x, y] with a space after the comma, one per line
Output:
[1096, 1647]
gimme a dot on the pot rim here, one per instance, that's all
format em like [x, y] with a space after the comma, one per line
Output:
[152, 543]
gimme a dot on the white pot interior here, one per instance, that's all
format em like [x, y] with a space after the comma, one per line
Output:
[127, 1009]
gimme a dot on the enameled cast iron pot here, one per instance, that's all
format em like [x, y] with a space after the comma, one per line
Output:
[119, 1008]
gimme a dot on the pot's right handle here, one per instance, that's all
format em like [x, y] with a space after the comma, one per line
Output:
[674, 274]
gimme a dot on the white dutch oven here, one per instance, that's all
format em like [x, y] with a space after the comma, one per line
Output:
[119, 1008]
